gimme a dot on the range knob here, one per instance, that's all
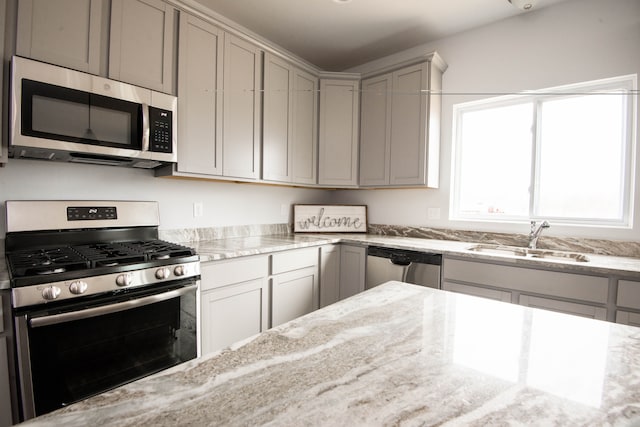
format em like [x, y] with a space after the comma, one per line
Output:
[124, 279]
[179, 270]
[51, 292]
[163, 273]
[78, 287]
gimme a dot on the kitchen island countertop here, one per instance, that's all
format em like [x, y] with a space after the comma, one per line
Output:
[397, 354]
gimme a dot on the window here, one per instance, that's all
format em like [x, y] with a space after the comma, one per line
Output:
[564, 154]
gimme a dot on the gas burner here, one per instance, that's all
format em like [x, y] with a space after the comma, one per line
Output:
[45, 261]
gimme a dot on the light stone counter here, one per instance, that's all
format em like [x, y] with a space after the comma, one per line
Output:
[211, 250]
[397, 354]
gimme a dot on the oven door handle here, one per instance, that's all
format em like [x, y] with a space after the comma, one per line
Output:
[55, 319]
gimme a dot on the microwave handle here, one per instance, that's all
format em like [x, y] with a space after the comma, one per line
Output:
[145, 127]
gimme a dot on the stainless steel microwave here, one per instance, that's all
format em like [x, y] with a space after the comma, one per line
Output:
[66, 115]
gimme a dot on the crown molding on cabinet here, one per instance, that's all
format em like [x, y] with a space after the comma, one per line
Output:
[238, 30]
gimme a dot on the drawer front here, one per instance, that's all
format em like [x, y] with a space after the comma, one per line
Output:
[599, 313]
[229, 272]
[476, 291]
[565, 285]
[294, 260]
[628, 318]
[628, 294]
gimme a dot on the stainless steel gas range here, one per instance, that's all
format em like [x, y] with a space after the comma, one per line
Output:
[97, 299]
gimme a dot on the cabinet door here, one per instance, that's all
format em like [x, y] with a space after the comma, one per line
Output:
[329, 275]
[293, 294]
[477, 291]
[375, 133]
[277, 125]
[3, 120]
[408, 133]
[62, 32]
[628, 318]
[628, 294]
[352, 270]
[241, 109]
[5, 393]
[304, 119]
[199, 100]
[232, 313]
[142, 42]
[338, 141]
[583, 310]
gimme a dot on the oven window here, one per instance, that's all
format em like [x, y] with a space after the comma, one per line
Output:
[65, 114]
[73, 360]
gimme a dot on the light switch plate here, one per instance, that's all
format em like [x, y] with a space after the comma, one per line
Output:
[198, 209]
[433, 213]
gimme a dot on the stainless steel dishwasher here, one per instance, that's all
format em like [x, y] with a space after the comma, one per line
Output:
[419, 268]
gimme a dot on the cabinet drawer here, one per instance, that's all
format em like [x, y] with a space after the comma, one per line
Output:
[628, 294]
[628, 318]
[583, 310]
[293, 260]
[565, 285]
[223, 273]
[477, 291]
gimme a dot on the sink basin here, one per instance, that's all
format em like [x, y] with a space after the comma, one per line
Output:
[518, 251]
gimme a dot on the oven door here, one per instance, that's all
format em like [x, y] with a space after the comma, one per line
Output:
[68, 354]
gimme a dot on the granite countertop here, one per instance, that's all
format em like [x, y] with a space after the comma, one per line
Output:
[233, 247]
[395, 354]
[212, 250]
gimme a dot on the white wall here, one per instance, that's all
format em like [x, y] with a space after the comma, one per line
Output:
[223, 203]
[576, 41]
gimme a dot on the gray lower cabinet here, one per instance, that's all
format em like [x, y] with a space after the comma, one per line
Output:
[234, 301]
[352, 270]
[295, 286]
[628, 302]
[329, 274]
[571, 293]
[5, 390]
[6, 386]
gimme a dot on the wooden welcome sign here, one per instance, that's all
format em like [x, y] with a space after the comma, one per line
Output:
[330, 218]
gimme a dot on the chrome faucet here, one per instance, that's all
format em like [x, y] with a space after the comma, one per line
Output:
[535, 233]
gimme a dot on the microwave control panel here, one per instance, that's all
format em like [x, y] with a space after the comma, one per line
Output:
[160, 130]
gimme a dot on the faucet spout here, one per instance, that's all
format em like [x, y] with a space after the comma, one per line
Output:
[535, 233]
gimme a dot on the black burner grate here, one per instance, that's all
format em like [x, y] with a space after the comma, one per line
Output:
[62, 259]
[45, 261]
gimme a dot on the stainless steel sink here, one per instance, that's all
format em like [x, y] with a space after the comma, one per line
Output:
[518, 251]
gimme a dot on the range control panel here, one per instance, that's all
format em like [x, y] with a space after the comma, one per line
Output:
[160, 130]
[87, 213]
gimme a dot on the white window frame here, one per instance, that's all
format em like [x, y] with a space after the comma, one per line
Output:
[626, 82]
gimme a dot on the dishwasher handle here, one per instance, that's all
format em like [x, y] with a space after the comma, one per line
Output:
[399, 259]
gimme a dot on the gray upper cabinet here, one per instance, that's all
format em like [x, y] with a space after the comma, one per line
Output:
[289, 129]
[68, 33]
[134, 42]
[200, 100]
[241, 128]
[375, 130]
[142, 43]
[277, 131]
[338, 133]
[305, 127]
[401, 126]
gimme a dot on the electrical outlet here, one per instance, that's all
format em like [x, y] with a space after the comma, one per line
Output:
[433, 213]
[198, 209]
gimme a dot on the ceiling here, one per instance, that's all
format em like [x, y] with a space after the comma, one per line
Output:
[336, 35]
